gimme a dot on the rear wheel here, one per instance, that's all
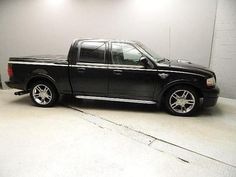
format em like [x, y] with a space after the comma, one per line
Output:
[43, 94]
[182, 101]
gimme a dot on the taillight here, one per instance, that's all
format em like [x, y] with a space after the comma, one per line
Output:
[10, 70]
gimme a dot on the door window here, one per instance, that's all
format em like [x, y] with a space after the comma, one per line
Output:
[125, 54]
[92, 52]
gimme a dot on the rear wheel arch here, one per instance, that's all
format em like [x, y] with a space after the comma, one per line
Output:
[43, 81]
[35, 79]
[43, 93]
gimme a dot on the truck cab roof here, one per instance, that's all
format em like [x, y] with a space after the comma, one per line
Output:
[104, 40]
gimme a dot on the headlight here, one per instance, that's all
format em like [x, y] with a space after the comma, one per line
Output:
[211, 82]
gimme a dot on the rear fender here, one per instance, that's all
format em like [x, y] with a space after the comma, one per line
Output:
[37, 75]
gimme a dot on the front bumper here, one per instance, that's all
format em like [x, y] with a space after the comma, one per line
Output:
[210, 96]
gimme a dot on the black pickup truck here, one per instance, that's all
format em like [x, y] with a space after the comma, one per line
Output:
[114, 70]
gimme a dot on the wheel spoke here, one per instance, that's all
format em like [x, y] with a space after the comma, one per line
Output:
[42, 94]
[184, 108]
[182, 101]
[185, 94]
[175, 96]
[46, 89]
[181, 108]
[36, 95]
[39, 89]
[191, 102]
[173, 105]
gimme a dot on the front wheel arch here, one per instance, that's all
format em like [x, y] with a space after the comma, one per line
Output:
[191, 91]
[163, 94]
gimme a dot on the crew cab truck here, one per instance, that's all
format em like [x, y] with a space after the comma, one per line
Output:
[114, 70]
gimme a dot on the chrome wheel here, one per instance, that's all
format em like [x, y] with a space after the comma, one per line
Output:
[182, 101]
[42, 94]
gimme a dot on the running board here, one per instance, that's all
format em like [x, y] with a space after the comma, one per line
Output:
[115, 99]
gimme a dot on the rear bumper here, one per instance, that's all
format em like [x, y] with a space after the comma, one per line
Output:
[210, 97]
[14, 85]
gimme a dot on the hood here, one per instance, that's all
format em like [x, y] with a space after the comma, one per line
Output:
[185, 65]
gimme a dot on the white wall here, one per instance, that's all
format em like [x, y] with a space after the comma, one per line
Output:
[224, 48]
[173, 28]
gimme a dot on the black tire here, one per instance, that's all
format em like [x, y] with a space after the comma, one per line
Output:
[43, 94]
[182, 101]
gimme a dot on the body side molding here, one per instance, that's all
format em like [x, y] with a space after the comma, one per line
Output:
[115, 99]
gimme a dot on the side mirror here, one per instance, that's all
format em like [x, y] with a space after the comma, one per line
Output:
[144, 61]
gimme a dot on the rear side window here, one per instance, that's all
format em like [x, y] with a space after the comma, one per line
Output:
[92, 52]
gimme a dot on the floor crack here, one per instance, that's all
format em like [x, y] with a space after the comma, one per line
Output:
[151, 142]
[150, 136]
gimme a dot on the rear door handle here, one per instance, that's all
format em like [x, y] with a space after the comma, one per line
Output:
[117, 72]
[81, 70]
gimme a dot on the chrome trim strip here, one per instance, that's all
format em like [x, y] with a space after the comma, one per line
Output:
[103, 66]
[133, 69]
[111, 66]
[126, 66]
[36, 63]
[92, 64]
[181, 72]
[115, 99]
[88, 66]
[129, 67]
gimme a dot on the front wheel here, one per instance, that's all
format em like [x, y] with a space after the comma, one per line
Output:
[43, 94]
[182, 101]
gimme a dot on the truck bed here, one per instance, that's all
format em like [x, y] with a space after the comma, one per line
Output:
[41, 58]
[54, 67]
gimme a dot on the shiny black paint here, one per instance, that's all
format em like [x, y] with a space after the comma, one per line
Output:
[69, 77]
[133, 84]
[89, 81]
[25, 73]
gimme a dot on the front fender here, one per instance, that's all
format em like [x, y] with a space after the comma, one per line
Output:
[161, 92]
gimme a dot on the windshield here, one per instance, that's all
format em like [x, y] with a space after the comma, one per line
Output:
[149, 52]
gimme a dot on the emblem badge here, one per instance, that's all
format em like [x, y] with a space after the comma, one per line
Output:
[163, 75]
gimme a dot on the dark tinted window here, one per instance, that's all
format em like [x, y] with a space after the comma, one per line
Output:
[92, 52]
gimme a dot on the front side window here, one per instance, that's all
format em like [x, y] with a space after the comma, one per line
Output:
[92, 52]
[125, 54]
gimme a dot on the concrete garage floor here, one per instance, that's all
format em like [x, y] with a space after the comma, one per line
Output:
[92, 138]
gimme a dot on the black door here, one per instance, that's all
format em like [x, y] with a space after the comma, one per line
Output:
[128, 78]
[90, 74]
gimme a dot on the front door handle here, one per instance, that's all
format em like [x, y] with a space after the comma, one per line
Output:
[117, 72]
